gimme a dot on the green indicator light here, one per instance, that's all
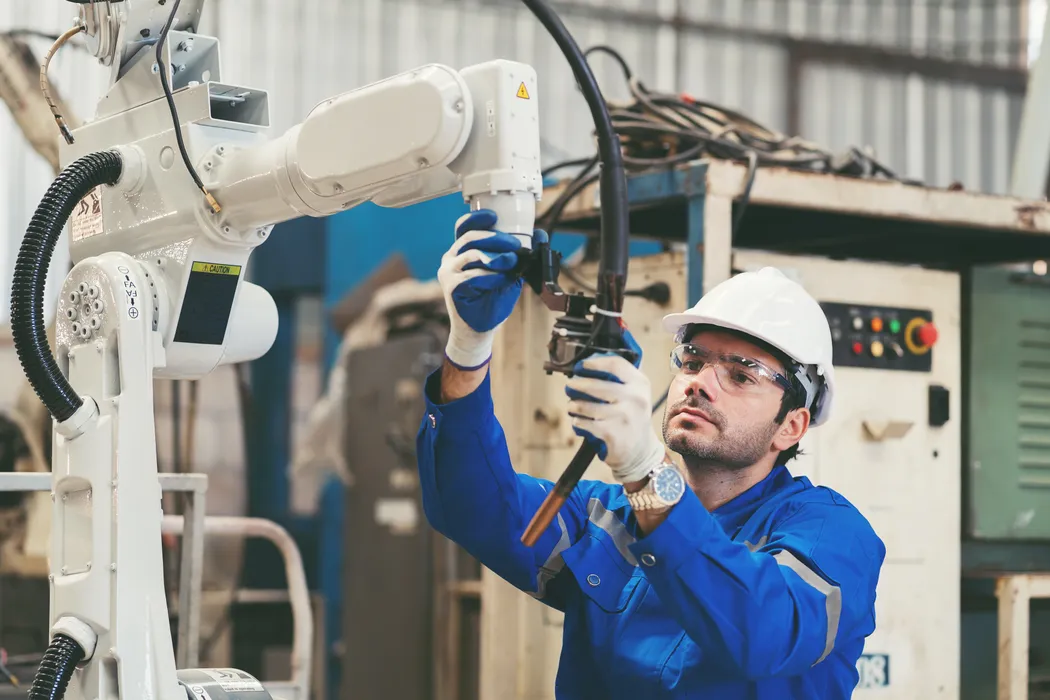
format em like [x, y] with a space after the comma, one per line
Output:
[895, 326]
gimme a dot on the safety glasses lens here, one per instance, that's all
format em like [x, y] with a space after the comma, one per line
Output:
[735, 372]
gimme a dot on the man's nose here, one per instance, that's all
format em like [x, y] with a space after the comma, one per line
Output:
[704, 384]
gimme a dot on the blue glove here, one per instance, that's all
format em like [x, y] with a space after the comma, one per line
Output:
[480, 287]
[487, 300]
[611, 408]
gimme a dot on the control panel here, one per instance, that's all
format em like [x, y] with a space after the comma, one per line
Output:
[881, 337]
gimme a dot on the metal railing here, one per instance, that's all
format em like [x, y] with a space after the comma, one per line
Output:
[193, 525]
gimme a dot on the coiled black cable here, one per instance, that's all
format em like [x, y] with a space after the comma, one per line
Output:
[660, 130]
[56, 668]
[31, 268]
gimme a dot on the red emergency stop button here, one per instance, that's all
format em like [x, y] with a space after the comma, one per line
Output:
[927, 334]
[920, 336]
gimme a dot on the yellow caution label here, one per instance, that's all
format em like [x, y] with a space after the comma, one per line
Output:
[523, 92]
[217, 269]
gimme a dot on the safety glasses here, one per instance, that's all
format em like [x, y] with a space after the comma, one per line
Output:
[737, 375]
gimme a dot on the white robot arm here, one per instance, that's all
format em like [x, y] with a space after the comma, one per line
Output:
[409, 138]
[158, 290]
[419, 135]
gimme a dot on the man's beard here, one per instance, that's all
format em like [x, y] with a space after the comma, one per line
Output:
[732, 449]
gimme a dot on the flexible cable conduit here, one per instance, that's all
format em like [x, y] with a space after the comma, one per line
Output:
[31, 268]
[56, 669]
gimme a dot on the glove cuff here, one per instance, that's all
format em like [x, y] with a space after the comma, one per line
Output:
[469, 354]
[645, 461]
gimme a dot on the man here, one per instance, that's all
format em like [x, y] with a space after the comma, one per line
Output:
[730, 579]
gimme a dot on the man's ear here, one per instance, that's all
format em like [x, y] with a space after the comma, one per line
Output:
[792, 430]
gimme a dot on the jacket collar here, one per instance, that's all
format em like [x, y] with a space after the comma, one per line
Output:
[733, 514]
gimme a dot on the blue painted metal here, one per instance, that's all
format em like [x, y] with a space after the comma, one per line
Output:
[270, 421]
[658, 187]
[695, 248]
[361, 239]
[291, 260]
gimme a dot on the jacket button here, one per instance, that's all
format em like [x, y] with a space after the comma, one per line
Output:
[593, 579]
[433, 420]
[648, 559]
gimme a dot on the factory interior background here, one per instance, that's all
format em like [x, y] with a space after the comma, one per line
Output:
[318, 435]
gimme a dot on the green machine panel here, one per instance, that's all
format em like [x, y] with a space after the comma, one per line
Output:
[1007, 430]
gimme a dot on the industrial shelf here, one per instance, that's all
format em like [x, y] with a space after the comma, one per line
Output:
[797, 212]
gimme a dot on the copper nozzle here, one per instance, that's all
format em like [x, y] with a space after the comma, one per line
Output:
[543, 518]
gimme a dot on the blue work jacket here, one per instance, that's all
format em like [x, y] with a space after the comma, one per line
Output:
[770, 596]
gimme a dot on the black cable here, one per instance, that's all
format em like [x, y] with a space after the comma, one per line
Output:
[745, 198]
[30, 276]
[576, 162]
[602, 48]
[657, 292]
[614, 211]
[166, 86]
[659, 130]
[56, 669]
[550, 220]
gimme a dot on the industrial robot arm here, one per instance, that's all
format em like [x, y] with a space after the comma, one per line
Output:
[166, 193]
[158, 289]
[418, 135]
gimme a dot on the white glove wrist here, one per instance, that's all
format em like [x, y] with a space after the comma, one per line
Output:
[649, 454]
[468, 349]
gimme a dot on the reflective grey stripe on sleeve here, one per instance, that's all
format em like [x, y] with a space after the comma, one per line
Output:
[612, 526]
[832, 595]
[755, 547]
[554, 562]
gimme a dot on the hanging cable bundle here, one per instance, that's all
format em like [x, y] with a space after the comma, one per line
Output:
[660, 129]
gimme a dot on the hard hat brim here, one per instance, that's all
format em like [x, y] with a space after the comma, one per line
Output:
[673, 323]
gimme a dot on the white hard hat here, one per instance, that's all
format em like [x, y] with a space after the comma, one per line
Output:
[766, 305]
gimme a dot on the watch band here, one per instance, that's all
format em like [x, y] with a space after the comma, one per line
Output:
[645, 498]
[642, 500]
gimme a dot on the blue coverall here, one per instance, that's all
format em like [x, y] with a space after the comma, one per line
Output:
[769, 596]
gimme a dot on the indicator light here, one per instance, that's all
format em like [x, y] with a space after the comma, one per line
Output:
[857, 348]
[895, 326]
[876, 349]
[876, 325]
[858, 323]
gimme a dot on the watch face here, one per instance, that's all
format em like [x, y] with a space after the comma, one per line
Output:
[668, 485]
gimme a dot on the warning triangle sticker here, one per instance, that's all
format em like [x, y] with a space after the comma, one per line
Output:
[523, 92]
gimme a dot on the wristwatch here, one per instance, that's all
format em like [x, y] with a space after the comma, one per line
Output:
[665, 487]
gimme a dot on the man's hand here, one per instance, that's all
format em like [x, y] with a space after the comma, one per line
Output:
[480, 289]
[480, 293]
[611, 405]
